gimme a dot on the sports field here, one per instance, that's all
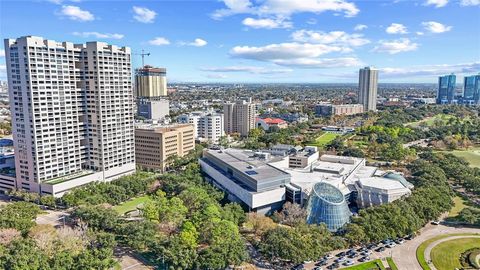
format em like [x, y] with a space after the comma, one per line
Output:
[446, 255]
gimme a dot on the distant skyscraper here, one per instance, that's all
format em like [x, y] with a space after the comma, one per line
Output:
[471, 89]
[367, 88]
[239, 117]
[72, 113]
[151, 82]
[446, 89]
[151, 90]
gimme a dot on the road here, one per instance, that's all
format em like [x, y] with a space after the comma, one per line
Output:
[428, 250]
[404, 255]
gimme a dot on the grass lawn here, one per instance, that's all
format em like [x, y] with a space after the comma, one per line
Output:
[446, 255]
[324, 139]
[472, 156]
[459, 204]
[421, 249]
[430, 120]
[392, 265]
[373, 265]
[130, 205]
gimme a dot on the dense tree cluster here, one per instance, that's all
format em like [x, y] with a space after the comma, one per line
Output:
[457, 170]
[19, 215]
[431, 197]
[185, 226]
[113, 193]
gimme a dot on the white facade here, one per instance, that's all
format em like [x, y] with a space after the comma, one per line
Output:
[367, 88]
[208, 125]
[72, 111]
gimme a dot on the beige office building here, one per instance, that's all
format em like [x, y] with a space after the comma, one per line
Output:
[150, 82]
[154, 144]
[367, 88]
[239, 117]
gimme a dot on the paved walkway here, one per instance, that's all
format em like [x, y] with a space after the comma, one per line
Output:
[428, 250]
[404, 255]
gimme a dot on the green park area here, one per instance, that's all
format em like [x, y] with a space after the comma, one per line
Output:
[446, 255]
[458, 205]
[324, 139]
[373, 265]
[471, 155]
[420, 253]
[130, 205]
[429, 121]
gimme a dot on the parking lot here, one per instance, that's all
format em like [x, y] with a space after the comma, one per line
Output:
[349, 257]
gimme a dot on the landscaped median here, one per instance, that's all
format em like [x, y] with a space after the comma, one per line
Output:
[439, 263]
[373, 265]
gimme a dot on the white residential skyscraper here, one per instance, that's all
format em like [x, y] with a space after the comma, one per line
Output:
[367, 88]
[72, 113]
[208, 125]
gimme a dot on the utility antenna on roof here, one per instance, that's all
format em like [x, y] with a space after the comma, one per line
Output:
[143, 54]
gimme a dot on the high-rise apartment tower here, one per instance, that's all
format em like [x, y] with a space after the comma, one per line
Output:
[367, 88]
[72, 113]
[239, 117]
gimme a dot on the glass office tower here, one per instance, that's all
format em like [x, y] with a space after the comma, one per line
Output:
[471, 89]
[327, 204]
[446, 89]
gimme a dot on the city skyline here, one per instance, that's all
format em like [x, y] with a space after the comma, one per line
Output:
[269, 41]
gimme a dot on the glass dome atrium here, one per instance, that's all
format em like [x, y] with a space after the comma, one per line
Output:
[327, 204]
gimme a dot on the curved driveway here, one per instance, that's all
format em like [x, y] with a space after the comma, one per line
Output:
[404, 255]
[428, 250]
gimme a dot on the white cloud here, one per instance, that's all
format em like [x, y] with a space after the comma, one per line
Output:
[419, 33]
[436, 3]
[159, 41]
[144, 15]
[431, 70]
[470, 3]
[283, 51]
[216, 76]
[2, 53]
[339, 38]
[360, 27]
[248, 69]
[321, 62]
[396, 28]
[77, 14]
[266, 23]
[285, 8]
[98, 35]
[436, 27]
[396, 46]
[311, 21]
[198, 42]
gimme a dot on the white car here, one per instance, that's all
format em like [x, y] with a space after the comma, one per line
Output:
[347, 263]
[391, 245]
[435, 222]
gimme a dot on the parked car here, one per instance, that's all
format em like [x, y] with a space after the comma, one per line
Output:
[341, 259]
[347, 263]
[307, 261]
[409, 237]
[353, 255]
[435, 222]
[391, 245]
[341, 254]
[364, 259]
[366, 253]
[317, 268]
[372, 246]
[380, 249]
[333, 266]
[321, 263]
[299, 267]
[400, 241]
[328, 256]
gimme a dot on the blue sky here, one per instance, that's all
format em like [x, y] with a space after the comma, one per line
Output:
[267, 40]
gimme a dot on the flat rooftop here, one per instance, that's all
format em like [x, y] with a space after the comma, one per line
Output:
[246, 162]
[381, 183]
